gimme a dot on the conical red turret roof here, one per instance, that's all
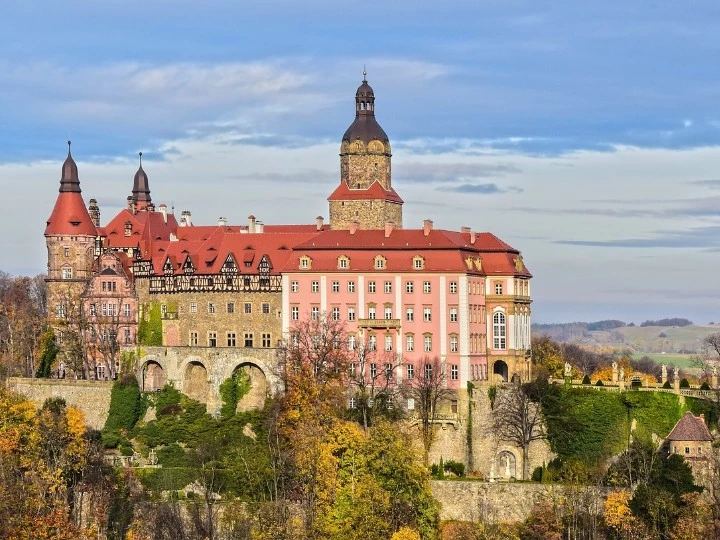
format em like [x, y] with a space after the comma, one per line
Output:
[70, 215]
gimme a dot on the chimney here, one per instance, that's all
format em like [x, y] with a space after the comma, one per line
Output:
[354, 225]
[130, 204]
[472, 237]
[163, 211]
[259, 227]
[94, 212]
[427, 226]
[185, 218]
[465, 230]
[319, 223]
[251, 223]
[388, 228]
[222, 222]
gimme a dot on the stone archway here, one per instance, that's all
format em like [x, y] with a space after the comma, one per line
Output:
[255, 398]
[505, 465]
[153, 376]
[500, 371]
[196, 384]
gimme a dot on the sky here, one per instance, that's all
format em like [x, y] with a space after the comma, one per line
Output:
[584, 134]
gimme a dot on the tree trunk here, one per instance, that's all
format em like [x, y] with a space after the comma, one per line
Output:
[526, 461]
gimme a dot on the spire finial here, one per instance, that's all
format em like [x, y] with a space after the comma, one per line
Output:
[364, 74]
[140, 154]
[69, 143]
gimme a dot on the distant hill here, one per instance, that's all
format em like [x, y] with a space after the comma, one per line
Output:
[662, 337]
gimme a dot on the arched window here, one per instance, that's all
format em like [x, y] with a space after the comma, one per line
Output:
[499, 330]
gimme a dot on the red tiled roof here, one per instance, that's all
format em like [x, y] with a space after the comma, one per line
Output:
[690, 428]
[148, 226]
[374, 192]
[70, 216]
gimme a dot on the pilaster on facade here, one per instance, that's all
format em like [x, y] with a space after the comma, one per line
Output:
[323, 294]
[361, 297]
[285, 303]
[443, 318]
[464, 320]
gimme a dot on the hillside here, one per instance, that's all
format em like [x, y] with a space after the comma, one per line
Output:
[639, 339]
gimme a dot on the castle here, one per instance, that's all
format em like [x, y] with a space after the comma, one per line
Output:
[196, 302]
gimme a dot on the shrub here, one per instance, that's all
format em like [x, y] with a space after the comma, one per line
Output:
[167, 396]
[441, 470]
[684, 383]
[455, 467]
[537, 474]
[599, 383]
[705, 386]
[667, 385]
[172, 409]
[125, 409]
[586, 379]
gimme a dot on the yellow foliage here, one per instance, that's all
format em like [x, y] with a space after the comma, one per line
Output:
[406, 533]
[617, 513]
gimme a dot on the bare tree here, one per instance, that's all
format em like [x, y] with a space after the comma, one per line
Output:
[372, 379]
[428, 390]
[517, 419]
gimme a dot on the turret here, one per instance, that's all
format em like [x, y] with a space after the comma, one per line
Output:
[141, 189]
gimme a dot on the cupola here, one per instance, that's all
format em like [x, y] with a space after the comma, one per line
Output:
[365, 128]
[141, 188]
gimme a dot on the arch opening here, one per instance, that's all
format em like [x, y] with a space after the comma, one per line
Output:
[259, 387]
[500, 371]
[196, 385]
[506, 465]
[153, 376]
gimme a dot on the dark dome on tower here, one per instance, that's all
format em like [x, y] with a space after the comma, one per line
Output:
[365, 127]
[69, 180]
[141, 185]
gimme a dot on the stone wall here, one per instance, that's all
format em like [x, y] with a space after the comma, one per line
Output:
[91, 397]
[370, 214]
[506, 502]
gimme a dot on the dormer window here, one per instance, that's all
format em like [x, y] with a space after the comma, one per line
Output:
[343, 262]
[418, 262]
[128, 228]
[380, 262]
[305, 262]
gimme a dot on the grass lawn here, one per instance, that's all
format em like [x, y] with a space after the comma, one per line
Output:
[680, 360]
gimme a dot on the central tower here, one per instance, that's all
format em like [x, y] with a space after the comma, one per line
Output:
[365, 195]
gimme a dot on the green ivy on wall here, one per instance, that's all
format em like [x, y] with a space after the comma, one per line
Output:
[232, 390]
[150, 328]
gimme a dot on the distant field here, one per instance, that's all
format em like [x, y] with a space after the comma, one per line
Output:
[676, 337]
[680, 360]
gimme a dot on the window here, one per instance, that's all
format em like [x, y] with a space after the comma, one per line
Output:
[372, 343]
[388, 370]
[231, 342]
[699, 450]
[410, 401]
[315, 286]
[104, 285]
[428, 371]
[388, 343]
[373, 370]
[248, 339]
[212, 339]
[128, 340]
[453, 406]
[453, 314]
[371, 312]
[371, 286]
[343, 262]
[66, 251]
[409, 287]
[410, 343]
[67, 273]
[211, 308]
[295, 313]
[351, 286]
[304, 262]
[335, 313]
[351, 314]
[294, 286]
[163, 309]
[454, 373]
[231, 307]
[388, 313]
[687, 449]
[193, 307]
[126, 310]
[352, 403]
[193, 339]
[315, 313]
[499, 330]
[379, 262]
[428, 343]
[410, 314]
[410, 371]
[453, 343]
[418, 263]
[427, 314]
[453, 287]
[247, 308]
[266, 341]
[388, 286]
[351, 347]
[426, 286]
[335, 286]
[93, 310]
[498, 288]
[104, 310]
[265, 308]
